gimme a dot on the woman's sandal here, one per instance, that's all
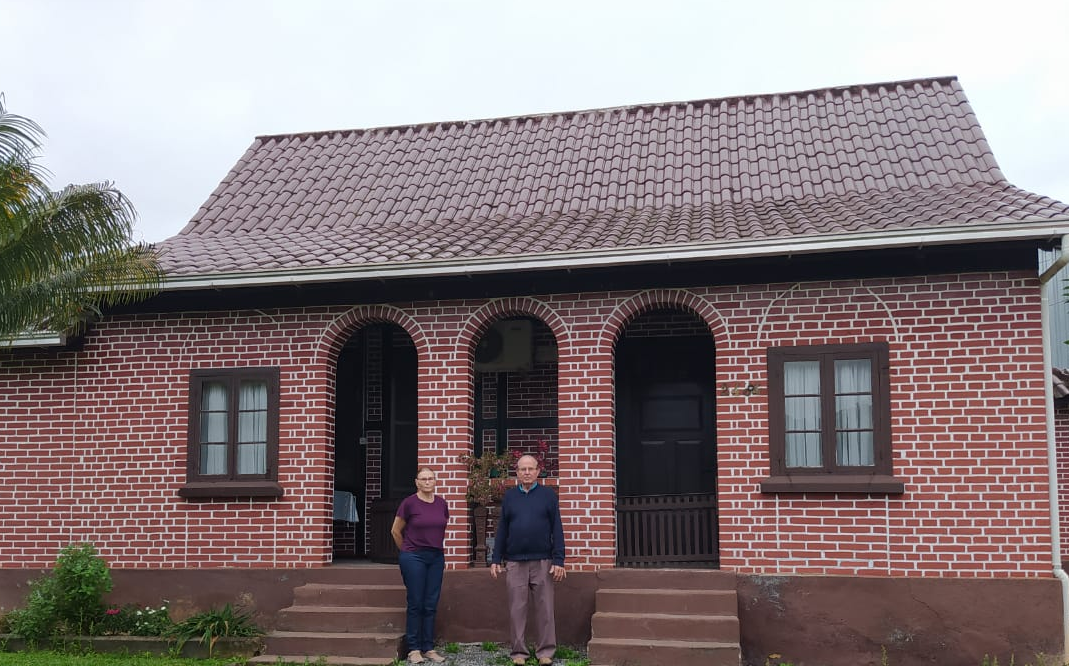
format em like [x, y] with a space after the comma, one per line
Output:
[415, 657]
[434, 656]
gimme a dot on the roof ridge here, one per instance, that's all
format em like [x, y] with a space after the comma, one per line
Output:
[604, 110]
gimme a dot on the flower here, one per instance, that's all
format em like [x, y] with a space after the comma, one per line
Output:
[113, 611]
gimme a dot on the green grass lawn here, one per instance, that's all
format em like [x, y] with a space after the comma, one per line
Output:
[45, 658]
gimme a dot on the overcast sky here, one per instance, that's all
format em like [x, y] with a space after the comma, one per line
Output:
[162, 97]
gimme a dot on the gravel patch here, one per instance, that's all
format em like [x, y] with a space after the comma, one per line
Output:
[473, 654]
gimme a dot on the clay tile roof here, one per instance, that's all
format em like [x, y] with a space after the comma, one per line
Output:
[891, 156]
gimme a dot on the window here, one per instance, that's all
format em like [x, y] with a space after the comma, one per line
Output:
[233, 433]
[829, 414]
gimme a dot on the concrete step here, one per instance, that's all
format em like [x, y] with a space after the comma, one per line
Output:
[319, 594]
[667, 579]
[341, 619]
[645, 652]
[303, 660]
[324, 644]
[665, 626]
[678, 602]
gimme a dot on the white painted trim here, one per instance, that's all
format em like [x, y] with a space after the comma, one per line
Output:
[873, 240]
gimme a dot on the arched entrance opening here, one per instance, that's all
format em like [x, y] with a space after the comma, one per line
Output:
[666, 442]
[375, 439]
[515, 410]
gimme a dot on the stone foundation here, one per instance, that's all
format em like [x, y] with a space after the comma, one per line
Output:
[808, 620]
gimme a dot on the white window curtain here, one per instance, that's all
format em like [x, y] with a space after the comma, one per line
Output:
[213, 428]
[853, 413]
[801, 390]
[252, 428]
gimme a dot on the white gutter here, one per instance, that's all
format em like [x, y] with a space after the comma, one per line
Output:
[1052, 450]
[747, 248]
[36, 339]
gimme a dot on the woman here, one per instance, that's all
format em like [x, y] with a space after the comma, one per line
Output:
[419, 532]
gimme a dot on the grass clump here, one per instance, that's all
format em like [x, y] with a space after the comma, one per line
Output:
[211, 625]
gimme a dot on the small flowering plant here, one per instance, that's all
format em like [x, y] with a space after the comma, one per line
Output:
[152, 621]
[488, 474]
[487, 477]
[547, 464]
[135, 620]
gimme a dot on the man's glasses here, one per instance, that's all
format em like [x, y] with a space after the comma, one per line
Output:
[424, 478]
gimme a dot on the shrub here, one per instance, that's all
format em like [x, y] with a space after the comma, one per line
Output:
[82, 579]
[211, 625]
[68, 599]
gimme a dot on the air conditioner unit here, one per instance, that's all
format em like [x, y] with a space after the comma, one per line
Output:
[506, 347]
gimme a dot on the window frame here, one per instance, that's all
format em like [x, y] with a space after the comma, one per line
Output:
[231, 484]
[830, 476]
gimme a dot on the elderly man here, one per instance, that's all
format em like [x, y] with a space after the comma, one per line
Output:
[530, 541]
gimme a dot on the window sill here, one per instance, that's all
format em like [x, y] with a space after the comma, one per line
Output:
[827, 483]
[210, 489]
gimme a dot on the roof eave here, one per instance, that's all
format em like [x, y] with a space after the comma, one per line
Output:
[874, 240]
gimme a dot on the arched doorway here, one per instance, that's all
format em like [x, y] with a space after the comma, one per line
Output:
[666, 442]
[375, 445]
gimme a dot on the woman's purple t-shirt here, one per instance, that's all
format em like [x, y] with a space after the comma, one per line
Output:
[424, 523]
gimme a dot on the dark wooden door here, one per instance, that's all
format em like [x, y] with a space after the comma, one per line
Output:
[666, 430]
[666, 452]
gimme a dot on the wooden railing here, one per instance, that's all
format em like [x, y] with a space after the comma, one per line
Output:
[667, 530]
[381, 546]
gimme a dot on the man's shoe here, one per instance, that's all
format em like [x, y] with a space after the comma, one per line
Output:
[519, 661]
[545, 661]
[414, 657]
[433, 656]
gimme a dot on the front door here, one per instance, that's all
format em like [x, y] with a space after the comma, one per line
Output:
[666, 451]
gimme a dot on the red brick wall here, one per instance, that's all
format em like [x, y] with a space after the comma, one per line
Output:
[92, 443]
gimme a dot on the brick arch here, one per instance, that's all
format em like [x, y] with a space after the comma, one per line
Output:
[480, 320]
[651, 299]
[338, 331]
[780, 301]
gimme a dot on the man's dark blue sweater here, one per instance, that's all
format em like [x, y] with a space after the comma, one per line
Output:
[529, 527]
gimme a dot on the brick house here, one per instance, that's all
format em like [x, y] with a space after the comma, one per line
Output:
[753, 318]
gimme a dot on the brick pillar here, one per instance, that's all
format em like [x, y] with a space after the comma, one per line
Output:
[446, 397]
[587, 457]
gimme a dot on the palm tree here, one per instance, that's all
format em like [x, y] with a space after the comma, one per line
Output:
[67, 255]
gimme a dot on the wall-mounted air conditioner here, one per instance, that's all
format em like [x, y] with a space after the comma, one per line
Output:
[506, 347]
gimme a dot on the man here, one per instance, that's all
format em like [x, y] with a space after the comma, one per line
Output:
[530, 541]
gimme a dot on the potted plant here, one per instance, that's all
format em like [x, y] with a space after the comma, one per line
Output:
[488, 477]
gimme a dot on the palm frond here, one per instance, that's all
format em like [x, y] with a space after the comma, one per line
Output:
[64, 256]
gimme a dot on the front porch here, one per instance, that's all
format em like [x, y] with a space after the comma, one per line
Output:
[649, 501]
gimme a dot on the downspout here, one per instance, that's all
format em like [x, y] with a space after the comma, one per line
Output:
[1052, 457]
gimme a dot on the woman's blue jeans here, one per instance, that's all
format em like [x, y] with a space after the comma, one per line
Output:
[422, 572]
